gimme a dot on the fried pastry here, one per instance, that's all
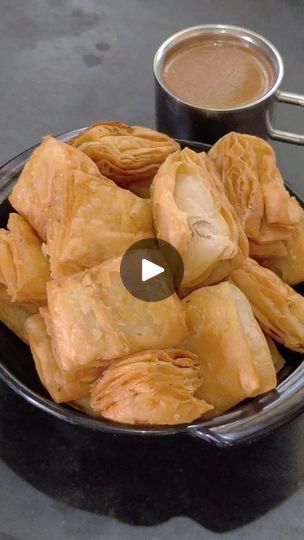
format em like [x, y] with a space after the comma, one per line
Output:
[247, 167]
[151, 387]
[278, 308]
[269, 251]
[95, 318]
[32, 192]
[233, 351]
[23, 267]
[61, 385]
[91, 220]
[14, 314]
[84, 405]
[277, 358]
[288, 265]
[125, 153]
[193, 214]
[141, 189]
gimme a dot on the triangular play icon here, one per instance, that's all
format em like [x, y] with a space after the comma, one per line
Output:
[150, 269]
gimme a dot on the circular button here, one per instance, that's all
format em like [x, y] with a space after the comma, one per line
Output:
[151, 270]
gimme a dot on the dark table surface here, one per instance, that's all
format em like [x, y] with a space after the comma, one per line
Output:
[65, 64]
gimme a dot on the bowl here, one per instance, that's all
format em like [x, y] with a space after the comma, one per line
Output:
[243, 424]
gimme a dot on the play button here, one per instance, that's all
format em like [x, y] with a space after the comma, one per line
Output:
[151, 270]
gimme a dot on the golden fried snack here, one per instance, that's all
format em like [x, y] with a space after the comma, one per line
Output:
[234, 355]
[268, 251]
[7, 267]
[194, 215]
[150, 387]
[91, 220]
[95, 318]
[141, 189]
[277, 358]
[289, 265]
[125, 153]
[23, 267]
[14, 314]
[32, 192]
[278, 308]
[62, 386]
[84, 405]
[254, 185]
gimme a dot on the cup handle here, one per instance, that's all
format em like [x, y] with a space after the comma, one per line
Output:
[285, 136]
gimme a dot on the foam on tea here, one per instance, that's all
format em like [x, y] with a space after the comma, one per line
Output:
[219, 73]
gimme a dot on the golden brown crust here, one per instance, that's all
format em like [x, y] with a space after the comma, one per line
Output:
[151, 387]
[278, 308]
[192, 213]
[141, 189]
[14, 314]
[84, 405]
[62, 385]
[277, 358]
[254, 185]
[32, 192]
[125, 153]
[91, 220]
[289, 263]
[95, 318]
[234, 355]
[23, 267]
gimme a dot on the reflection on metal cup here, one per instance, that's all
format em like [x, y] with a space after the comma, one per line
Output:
[181, 119]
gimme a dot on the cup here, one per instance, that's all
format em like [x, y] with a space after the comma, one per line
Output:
[182, 120]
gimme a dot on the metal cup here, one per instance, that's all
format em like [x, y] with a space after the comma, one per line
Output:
[182, 120]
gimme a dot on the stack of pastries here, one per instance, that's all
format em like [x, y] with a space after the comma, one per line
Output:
[78, 206]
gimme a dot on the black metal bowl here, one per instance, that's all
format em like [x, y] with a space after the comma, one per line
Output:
[245, 423]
